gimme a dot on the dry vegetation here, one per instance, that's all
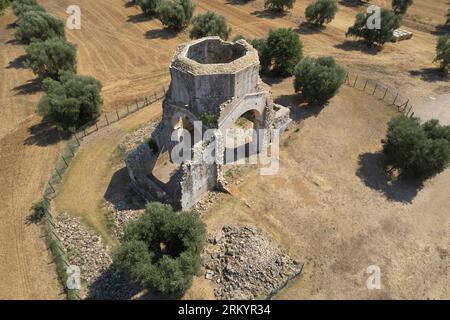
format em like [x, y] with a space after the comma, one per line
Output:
[325, 213]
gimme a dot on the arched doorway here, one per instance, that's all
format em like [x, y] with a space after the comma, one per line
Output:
[241, 138]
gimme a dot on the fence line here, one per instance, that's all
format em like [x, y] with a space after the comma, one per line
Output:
[61, 166]
[382, 92]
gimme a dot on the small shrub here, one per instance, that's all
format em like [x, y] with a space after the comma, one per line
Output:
[175, 14]
[38, 211]
[210, 24]
[207, 118]
[47, 58]
[318, 79]
[161, 250]
[72, 101]
[320, 12]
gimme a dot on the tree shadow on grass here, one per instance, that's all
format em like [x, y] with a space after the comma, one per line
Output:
[18, 63]
[269, 14]
[300, 110]
[120, 194]
[161, 34]
[429, 74]
[372, 172]
[359, 45]
[308, 28]
[29, 87]
[353, 3]
[44, 134]
[441, 30]
[137, 18]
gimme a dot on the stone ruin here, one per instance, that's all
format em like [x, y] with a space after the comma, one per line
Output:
[218, 83]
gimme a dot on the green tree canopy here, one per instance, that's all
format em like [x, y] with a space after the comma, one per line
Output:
[279, 5]
[443, 53]
[72, 101]
[389, 22]
[210, 24]
[21, 6]
[419, 150]
[401, 6]
[47, 58]
[322, 11]
[148, 7]
[161, 250]
[280, 52]
[3, 5]
[318, 79]
[37, 25]
[175, 14]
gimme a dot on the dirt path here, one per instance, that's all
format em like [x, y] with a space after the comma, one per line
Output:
[91, 171]
[26, 269]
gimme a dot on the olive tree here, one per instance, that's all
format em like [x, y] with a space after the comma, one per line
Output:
[37, 25]
[161, 250]
[175, 14]
[318, 79]
[210, 24]
[279, 5]
[47, 58]
[280, 52]
[373, 35]
[21, 6]
[401, 6]
[72, 101]
[418, 150]
[443, 53]
[320, 12]
[148, 7]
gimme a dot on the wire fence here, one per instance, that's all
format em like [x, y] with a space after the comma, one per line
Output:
[53, 242]
[379, 90]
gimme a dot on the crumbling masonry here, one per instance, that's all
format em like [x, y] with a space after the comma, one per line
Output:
[214, 81]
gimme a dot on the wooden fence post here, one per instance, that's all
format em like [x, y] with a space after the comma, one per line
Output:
[393, 103]
[365, 85]
[76, 138]
[376, 86]
[107, 122]
[356, 80]
[385, 93]
[50, 184]
[117, 113]
[65, 161]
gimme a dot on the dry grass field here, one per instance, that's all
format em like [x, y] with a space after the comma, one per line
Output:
[328, 217]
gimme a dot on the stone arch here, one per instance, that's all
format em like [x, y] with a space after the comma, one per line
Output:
[240, 138]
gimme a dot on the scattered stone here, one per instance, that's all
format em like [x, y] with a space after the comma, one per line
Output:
[87, 251]
[245, 264]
